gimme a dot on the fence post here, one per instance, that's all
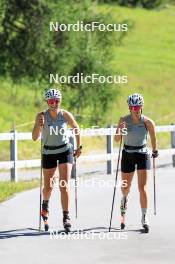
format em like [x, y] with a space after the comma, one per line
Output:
[109, 144]
[173, 145]
[14, 156]
[72, 141]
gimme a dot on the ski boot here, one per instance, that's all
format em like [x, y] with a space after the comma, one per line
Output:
[45, 214]
[66, 222]
[123, 209]
[145, 225]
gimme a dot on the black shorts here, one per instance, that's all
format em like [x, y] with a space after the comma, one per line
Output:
[130, 160]
[51, 160]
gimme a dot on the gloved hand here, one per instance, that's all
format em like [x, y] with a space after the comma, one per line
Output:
[155, 154]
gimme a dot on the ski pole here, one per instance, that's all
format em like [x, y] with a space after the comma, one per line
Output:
[76, 193]
[41, 183]
[115, 183]
[154, 179]
[76, 186]
[40, 199]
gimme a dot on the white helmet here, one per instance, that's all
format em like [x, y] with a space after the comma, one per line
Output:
[52, 93]
[135, 100]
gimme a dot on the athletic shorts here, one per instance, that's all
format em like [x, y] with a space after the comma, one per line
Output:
[132, 161]
[51, 160]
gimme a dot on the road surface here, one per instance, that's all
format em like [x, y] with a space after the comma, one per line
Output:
[90, 241]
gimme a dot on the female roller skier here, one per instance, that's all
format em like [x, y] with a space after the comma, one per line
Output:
[135, 154]
[56, 151]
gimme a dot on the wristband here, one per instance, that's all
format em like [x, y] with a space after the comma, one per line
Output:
[80, 147]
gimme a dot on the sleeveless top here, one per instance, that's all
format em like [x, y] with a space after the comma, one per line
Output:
[55, 133]
[136, 135]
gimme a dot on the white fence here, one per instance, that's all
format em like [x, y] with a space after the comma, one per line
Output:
[15, 136]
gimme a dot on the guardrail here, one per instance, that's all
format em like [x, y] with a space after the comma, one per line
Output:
[109, 132]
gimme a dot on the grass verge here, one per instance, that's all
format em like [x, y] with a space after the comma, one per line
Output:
[8, 189]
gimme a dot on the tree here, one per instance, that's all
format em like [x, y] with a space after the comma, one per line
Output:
[29, 50]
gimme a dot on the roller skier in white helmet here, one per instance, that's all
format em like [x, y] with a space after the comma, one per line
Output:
[135, 155]
[57, 151]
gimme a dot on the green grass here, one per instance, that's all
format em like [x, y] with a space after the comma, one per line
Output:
[8, 189]
[146, 56]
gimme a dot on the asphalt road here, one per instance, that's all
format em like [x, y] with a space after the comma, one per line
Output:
[90, 241]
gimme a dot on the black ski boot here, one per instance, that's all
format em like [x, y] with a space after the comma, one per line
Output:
[123, 208]
[45, 214]
[66, 221]
[145, 225]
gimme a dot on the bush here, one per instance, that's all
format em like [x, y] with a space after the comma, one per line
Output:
[149, 4]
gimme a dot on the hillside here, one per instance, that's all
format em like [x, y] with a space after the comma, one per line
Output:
[147, 57]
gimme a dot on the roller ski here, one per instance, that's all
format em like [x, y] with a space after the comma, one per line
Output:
[145, 225]
[45, 214]
[66, 222]
[123, 209]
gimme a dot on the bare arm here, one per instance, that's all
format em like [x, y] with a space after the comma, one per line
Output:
[121, 125]
[39, 122]
[73, 124]
[151, 129]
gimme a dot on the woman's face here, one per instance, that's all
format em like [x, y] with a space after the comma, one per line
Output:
[54, 103]
[136, 110]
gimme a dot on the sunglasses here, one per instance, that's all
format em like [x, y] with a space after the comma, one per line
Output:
[53, 101]
[135, 108]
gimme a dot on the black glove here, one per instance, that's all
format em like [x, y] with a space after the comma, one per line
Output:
[155, 154]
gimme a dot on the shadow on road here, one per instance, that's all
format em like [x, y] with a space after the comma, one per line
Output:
[22, 233]
[32, 232]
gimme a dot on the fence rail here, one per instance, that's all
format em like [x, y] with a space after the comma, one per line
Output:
[109, 132]
[84, 132]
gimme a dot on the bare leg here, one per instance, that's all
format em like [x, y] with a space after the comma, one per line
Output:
[126, 184]
[126, 179]
[142, 185]
[64, 172]
[48, 174]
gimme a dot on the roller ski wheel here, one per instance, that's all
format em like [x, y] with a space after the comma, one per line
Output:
[45, 215]
[122, 223]
[122, 226]
[145, 225]
[46, 227]
[67, 230]
[66, 223]
[146, 228]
